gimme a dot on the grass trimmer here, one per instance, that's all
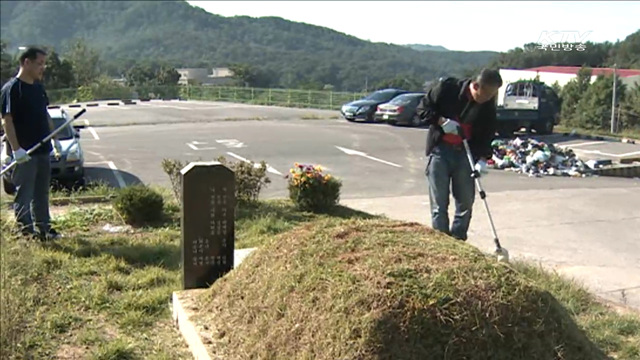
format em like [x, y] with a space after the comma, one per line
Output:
[45, 140]
[501, 253]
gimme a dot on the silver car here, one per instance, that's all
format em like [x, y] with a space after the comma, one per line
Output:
[69, 168]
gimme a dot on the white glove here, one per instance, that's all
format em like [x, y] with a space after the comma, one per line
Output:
[57, 148]
[21, 156]
[451, 127]
[481, 167]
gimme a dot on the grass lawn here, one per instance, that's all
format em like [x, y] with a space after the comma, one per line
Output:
[101, 295]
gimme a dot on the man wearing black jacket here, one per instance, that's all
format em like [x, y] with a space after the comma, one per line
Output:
[454, 108]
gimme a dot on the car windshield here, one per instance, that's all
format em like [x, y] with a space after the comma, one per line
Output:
[67, 132]
[403, 99]
[381, 96]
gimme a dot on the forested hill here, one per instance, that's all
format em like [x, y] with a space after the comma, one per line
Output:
[287, 53]
[624, 54]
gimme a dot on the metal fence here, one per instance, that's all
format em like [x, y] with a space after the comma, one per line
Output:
[330, 100]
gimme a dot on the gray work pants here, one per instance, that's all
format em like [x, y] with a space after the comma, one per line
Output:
[31, 205]
[448, 167]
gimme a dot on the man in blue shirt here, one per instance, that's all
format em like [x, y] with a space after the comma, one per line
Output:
[27, 122]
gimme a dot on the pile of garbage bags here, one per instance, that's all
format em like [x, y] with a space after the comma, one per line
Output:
[535, 158]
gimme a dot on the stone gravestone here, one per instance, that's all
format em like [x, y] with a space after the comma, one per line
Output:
[208, 223]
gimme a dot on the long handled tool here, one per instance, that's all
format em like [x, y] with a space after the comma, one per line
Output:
[500, 252]
[45, 140]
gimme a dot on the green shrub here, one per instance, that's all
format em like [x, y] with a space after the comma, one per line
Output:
[139, 205]
[312, 191]
[250, 178]
[173, 168]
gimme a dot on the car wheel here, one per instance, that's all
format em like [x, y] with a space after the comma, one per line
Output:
[370, 118]
[547, 128]
[416, 121]
[505, 131]
[8, 187]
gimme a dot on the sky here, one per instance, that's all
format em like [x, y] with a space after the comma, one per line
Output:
[456, 25]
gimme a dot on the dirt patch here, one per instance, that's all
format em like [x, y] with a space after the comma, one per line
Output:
[70, 352]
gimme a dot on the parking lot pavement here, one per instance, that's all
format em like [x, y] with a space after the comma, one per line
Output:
[174, 111]
[372, 160]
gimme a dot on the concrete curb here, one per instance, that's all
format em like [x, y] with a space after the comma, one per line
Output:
[182, 310]
[601, 138]
[621, 170]
[186, 327]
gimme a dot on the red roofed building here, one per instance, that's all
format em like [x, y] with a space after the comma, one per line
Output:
[562, 75]
[594, 71]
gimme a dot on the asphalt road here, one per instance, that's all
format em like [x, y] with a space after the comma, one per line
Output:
[388, 160]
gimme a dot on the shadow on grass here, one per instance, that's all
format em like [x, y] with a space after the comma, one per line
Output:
[285, 210]
[137, 255]
[167, 255]
[545, 330]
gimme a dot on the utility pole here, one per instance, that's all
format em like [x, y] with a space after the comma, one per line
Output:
[613, 102]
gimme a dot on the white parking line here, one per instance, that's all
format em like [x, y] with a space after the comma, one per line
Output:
[256, 165]
[91, 130]
[608, 154]
[586, 143]
[116, 173]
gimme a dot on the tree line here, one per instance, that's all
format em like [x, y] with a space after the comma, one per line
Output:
[588, 105]
[79, 65]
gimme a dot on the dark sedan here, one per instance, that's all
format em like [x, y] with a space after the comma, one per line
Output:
[401, 110]
[365, 108]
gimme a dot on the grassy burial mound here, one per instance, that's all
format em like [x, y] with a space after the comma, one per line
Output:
[379, 289]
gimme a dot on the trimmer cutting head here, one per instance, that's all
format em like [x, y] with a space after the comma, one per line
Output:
[502, 254]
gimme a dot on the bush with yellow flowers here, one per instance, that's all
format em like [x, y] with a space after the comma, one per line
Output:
[311, 190]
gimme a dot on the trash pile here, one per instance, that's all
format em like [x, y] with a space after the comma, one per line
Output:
[529, 156]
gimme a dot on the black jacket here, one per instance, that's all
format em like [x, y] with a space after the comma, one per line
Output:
[450, 98]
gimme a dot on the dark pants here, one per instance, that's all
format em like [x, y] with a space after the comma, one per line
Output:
[31, 205]
[448, 166]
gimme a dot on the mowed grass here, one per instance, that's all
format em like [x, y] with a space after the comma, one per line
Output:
[101, 295]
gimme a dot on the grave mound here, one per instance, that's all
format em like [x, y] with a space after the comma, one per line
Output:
[381, 289]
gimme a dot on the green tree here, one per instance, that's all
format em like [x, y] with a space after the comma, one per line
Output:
[593, 110]
[627, 52]
[8, 65]
[59, 73]
[244, 74]
[630, 109]
[401, 82]
[141, 74]
[571, 94]
[85, 62]
[167, 75]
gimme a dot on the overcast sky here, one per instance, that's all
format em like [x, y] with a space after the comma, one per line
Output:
[456, 25]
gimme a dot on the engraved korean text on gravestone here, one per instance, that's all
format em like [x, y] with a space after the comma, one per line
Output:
[208, 226]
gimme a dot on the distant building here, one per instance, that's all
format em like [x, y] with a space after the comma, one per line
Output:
[202, 76]
[562, 75]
